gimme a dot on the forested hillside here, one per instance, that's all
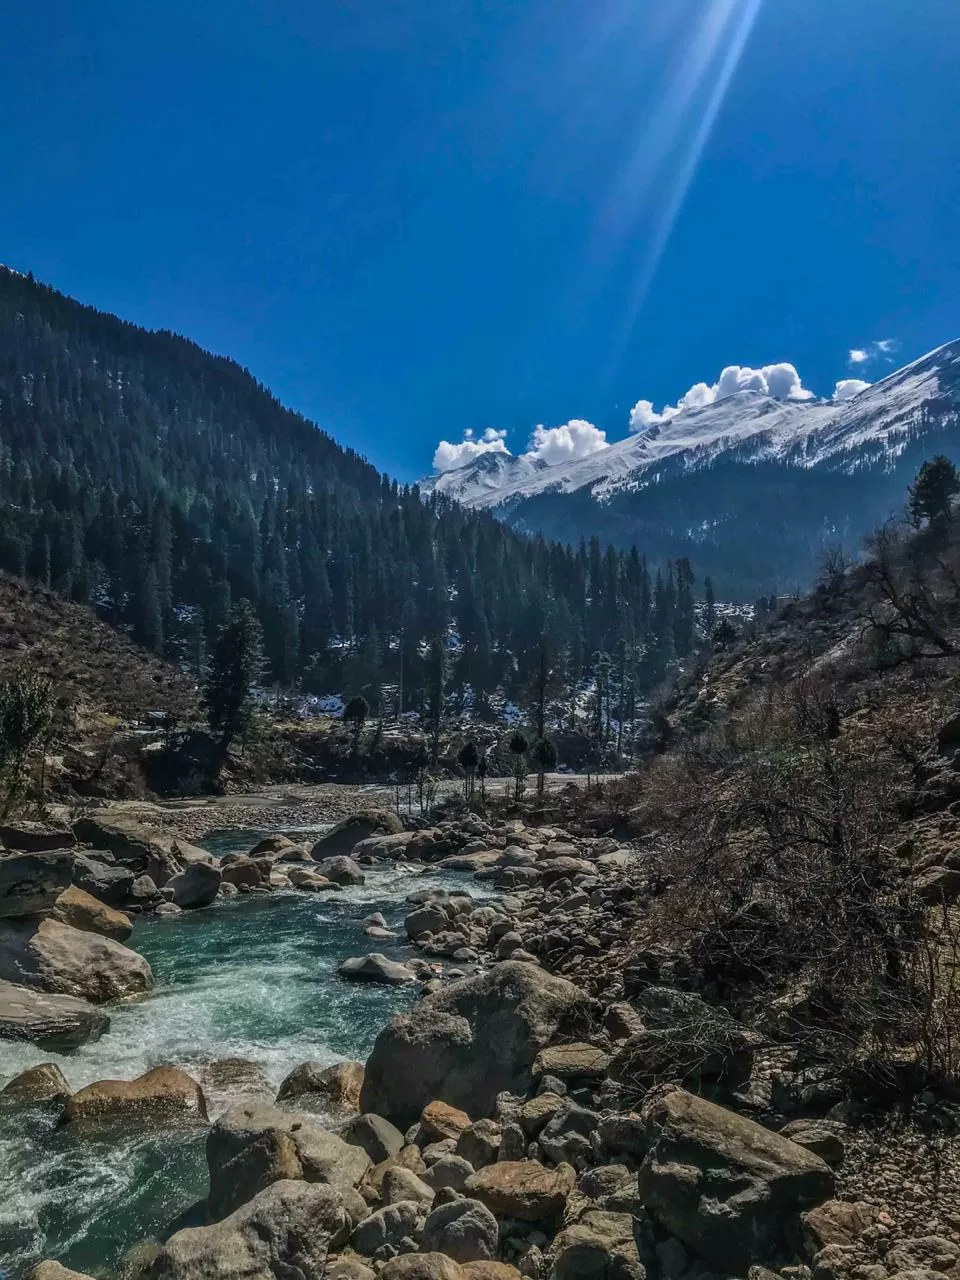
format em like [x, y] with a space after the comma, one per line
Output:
[159, 483]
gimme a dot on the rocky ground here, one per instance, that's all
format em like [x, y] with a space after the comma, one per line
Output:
[554, 1107]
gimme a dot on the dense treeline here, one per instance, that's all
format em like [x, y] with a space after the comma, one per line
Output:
[159, 483]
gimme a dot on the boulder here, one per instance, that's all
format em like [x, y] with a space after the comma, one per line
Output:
[347, 1267]
[378, 1137]
[422, 1266]
[567, 1135]
[54, 1022]
[234, 1075]
[164, 1095]
[30, 883]
[430, 918]
[463, 1229]
[468, 1042]
[271, 844]
[923, 1253]
[103, 880]
[323, 1156]
[840, 1222]
[572, 1062]
[35, 837]
[725, 1186]
[284, 1233]
[54, 1271]
[403, 1184]
[439, 1120]
[82, 911]
[50, 956]
[825, 1138]
[335, 1089]
[196, 886]
[341, 871]
[358, 826]
[387, 1226]
[489, 1271]
[375, 967]
[522, 1189]
[309, 881]
[448, 1171]
[599, 1246]
[243, 872]
[271, 1156]
[138, 847]
[43, 1083]
[479, 1143]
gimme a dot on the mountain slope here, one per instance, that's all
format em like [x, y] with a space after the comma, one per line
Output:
[710, 482]
[160, 483]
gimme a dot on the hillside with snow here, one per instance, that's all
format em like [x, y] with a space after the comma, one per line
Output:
[709, 482]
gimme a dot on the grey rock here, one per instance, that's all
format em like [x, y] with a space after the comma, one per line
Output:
[108, 882]
[30, 883]
[53, 1022]
[196, 886]
[378, 1137]
[375, 967]
[449, 1171]
[47, 955]
[387, 1226]
[464, 1230]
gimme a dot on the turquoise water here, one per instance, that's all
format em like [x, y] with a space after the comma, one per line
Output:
[252, 977]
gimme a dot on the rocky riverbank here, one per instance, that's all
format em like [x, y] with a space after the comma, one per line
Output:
[556, 1105]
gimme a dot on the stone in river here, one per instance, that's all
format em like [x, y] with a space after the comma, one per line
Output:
[343, 871]
[162, 1095]
[54, 1271]
[196, 886]
[331, 1088]
[375, 968]
[43, 1083]
[55, 1022]
[80, 909]
[358, 826]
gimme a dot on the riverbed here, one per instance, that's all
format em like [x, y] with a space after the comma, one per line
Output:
[251, 977]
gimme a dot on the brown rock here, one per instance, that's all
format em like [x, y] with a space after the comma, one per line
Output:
[164, 1094]
[836, 1222]
[83, 911]
[422, 1266]
[43, 1083]
[439, 1120]
[572, 1062]
[54, 1271]
[55, 957]
[523, 1189]
[270, 1157]
[490, 1271]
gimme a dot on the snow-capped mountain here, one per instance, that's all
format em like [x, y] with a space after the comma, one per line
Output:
[709, 482]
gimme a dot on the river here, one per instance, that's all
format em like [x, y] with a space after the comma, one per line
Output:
[251, 977]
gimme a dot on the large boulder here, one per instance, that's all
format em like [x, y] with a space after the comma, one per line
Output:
[522, 1189]
[358, 826]
[54, 1271]
[468, 1043]
[284, 1233]
[724, 1185]
[35, 837]
[50, 956]
[387, 1226]
[53, 1022]
[106, 881]
[335, 1089]
[82, 911]
[423, 1266]
[378, 1137]
[195, 886]
[322, 1156]
[30, 883]
[164, 1095]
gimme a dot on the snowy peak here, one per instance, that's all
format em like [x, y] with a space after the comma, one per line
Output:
[870, 428]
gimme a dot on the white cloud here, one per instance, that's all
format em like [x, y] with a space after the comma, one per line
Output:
[883, 349]
[575, 439]
[847, 388]
[449, 456]
[782, 381]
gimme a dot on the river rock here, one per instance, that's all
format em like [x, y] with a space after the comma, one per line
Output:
[725, 1186]
[335, 1089]
[323, 1156]
[572, 1062]
[196, 886]
[286, 1231]
[309, 881]
[54, 957]
[342, 871]
[43, 1083]
[164, 1095]
[464, 1230]
[30, 883]
[479, 1143]
[523, 1189]
[54, 1271]
[54, 1022]
[375, 967]
[82, 911]
[403, 1184]
[430, 918]
[139, 847]
[386, 1226]
[468, 1043]
[447, 1172]
[599, 1246]
[103, 880]
[347, 1267]
[243, 872]
[358, 826]
[277, 844]
[26, 836]
[439, 1120]
[378, 1137]
[422, 1266]
[490, 1271]
[233, 1076]
[270, 1157]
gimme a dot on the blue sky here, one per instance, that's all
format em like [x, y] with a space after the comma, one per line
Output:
[414, 218]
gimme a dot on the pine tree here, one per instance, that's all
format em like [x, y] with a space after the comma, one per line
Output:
[934, 490]
[437, 675]
[236, 667]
